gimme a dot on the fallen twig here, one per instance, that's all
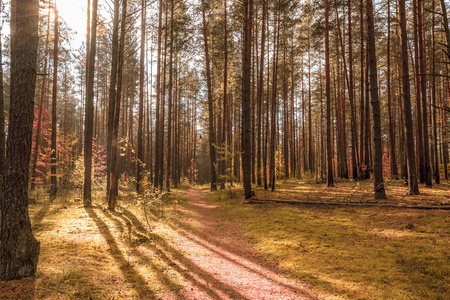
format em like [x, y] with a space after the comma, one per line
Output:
[369, 204]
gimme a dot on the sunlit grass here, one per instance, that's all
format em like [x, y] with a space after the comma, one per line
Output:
[356, 253]
[339, 253]
[94, 253]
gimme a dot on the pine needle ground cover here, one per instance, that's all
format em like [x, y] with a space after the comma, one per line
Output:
[92, 253]
[351, 252]
[164, 248]
[194, 244]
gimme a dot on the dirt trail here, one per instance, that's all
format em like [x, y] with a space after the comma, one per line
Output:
[233, 270]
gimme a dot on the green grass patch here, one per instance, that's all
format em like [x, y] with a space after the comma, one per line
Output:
[357, 253]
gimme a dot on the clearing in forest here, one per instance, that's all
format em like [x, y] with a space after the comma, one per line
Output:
[197, 244]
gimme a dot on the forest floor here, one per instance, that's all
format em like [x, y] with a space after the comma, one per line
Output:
[197, 244]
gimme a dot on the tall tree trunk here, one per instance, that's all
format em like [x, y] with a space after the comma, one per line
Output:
[41, 106]
[89, 122]
[328, 95]
[392, 154]
[223, 163]
[158, 98]
[112, 96]
[169, 113]
[54, 179]
[149, 119]
[351, 96]
[246, 99]
[88, 40]
[2, 119]
[413, 188]
[402, 138]
[273, 141]
[253, 72]
[362, 96]
[260, 96]
[285, 118]
[322, 147]
[212, 135]
[349, 79]
[367, 127]
[418, 87]
[423, 88]
[310, 130]
[266, 122]
[444, 127]
[340, 106]
[292, 134]
[446, 27]
[19, 248]
[114, 144]
[433, 97]
[163, 103]
[378, 149]
[140, 137]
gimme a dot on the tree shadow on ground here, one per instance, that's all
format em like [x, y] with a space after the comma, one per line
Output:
[131, 275]
[117, 218]
[221, 249]
[180, 262]
[53, 206]
[174, 259]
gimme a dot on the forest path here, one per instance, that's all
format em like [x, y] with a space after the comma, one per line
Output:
[190, 246]
[189, 251]
[232, 268]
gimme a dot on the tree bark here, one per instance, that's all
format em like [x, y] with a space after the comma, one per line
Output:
[19, 249]
[41, 106]
[260, 96]
[266, 122]
[367, 133]
[418, 98]
[423, 88]
[378, 149]
[54, 179]
[112, 95]
[445, 158]
[273, 141]
[163, 103]
[310, 129]
[328, 95]
[169, 113]
[140, 137]
[89, 122]
[362, 103]
[413, 188]
[351, 95]
[114, 144]
[212, 135]
[158, 98]
[433, 97]
[223, 163]
[446, 27]
[2, 119]
[246, 99]
[349, 79]
[392, 154]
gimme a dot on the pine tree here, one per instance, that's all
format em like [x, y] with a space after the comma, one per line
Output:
[19, 248]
